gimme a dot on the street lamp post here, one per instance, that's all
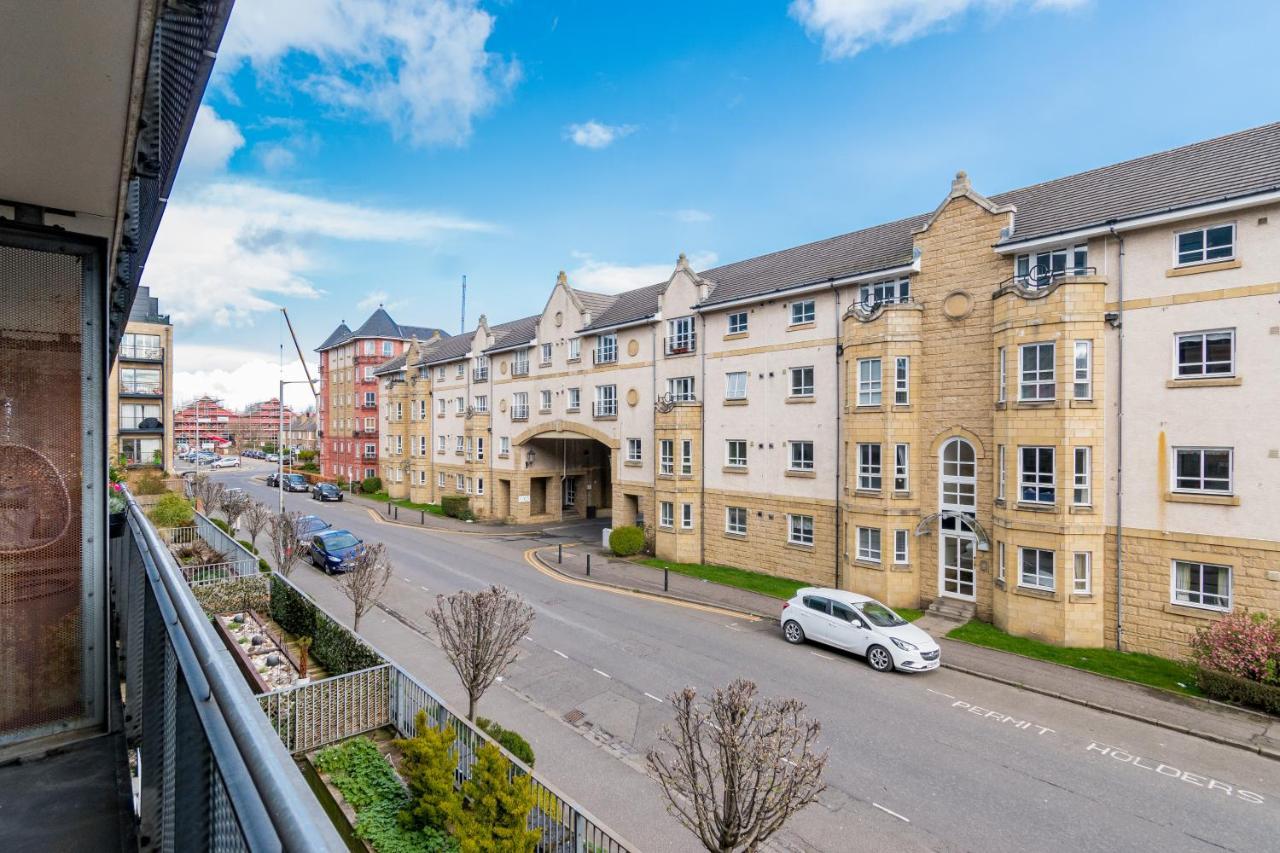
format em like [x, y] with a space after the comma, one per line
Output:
[280, 440]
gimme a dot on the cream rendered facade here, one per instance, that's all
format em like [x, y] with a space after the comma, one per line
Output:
[941, 426]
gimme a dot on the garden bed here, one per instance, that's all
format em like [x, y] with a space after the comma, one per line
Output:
[263, 656]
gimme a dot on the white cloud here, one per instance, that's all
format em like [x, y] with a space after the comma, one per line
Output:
[237, 376]
[373, 299]
[609, 277]
[274, 157]
[230, 249]
[593, 134]
[848, 27]
[690, 215]
[419, 65]
[212, 143]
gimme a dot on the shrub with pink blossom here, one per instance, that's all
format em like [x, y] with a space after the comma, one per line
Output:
[1243, 644]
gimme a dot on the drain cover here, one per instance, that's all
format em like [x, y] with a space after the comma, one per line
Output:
[574, 716]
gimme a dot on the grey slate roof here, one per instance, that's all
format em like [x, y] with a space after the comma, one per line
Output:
[380, 325]
[594, 302]
[336, 337]
[1231, 166]
[628, 307]
[450, 349]
[514, 332]
[391, 366]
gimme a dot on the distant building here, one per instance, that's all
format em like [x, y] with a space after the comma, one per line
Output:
[260, 423]
[216, 422]
[301, 431]
[140, 392]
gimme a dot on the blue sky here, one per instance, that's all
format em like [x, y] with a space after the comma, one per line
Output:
[352, 152]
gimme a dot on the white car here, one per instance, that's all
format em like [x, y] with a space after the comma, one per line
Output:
[861, 625]
[227, 462]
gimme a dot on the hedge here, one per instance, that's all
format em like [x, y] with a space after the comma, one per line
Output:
[626, 541]
[511, 741]
[1232, 688]
[456, 506]
[172, 510]
[335, 648]
[371, 484]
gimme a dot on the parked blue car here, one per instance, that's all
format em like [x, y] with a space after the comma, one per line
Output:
[335, 550]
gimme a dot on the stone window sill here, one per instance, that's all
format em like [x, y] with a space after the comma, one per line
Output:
[868, 493]
[574, 360]
[689, 354]
[902, 496]
[739, 536]
[736, 336]
[1000, 405]
[900, 407]
[1083, 404]
[870, 407]
[1215, 500]
[1192, 612]
[632, 463]
[734, 469]
[1205, 382]
[800, 546]
[573, 411]
[1030, 507]
[1082, 596]
[1203, 266]
[1082, 510]
[735, 402]
[1036, 404]
[802, 400]
[544, 411]
[803, 474]
[606, 417]
[1036, 592]
[800, 327]
[1000, 583]
[868, 564]
[503, 455]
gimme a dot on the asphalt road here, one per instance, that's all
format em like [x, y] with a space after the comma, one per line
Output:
[939, 761]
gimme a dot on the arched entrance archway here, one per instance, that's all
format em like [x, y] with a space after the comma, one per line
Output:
[564, 471]
[957, 503]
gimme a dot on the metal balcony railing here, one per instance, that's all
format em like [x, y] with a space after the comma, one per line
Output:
[682, 344]
[142, 353]
[519, 368]
[608, 355]
[137, 424]
[1040, 276]
[520, 413]
[605, 408]
[142, 389]
[214, 774]
[480, 374]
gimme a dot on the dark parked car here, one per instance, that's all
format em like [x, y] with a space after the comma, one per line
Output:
[326, 492]
[335, 550]
[296, 483]
[309, 525]
[273, 480]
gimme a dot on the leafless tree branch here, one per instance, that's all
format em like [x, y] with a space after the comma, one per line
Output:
[364, 582]
[285, 550]
[256, 519]
[479, 632]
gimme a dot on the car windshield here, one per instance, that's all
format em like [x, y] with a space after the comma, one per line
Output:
[311, 524]
[338, 541]
[879, 615]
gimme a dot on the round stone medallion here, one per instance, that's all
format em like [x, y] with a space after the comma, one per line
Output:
[633, 347]
[502, 368]
[957, 305]
[633, 398]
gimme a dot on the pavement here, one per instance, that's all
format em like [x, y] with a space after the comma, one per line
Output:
[937, 761]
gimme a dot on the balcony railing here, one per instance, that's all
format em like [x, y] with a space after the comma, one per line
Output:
[480, 374]
[133, 423]
[605, 408]
[142, 389]
[142, 353]
[682, 344]
[214, 774]
[519, 368]
[1041, 276]
[604, 356]
[520, 413]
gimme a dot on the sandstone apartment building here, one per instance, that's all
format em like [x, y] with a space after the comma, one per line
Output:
[1056, 405]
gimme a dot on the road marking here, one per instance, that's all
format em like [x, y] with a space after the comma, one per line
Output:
[892, 812]
[704, 608]
[424, 589]
[939, 692]
[732, 627]
[820, 655]
[406, 580]
[979, 711]
[1206, 782]
[654, 698]
[562, 654]
[530, 639]
[601, 672]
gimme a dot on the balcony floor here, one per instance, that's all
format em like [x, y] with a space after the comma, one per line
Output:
[74, 797]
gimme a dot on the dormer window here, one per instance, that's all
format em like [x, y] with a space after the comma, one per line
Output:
[885, 292]
[1041, 268]
[680, 336]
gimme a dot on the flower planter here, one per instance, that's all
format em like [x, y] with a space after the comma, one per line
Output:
[116, 524]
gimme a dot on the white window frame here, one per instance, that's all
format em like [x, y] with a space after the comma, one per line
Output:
[1194, 595]
[733, 459]
[545, 352]
[686, 516]
[575, 400]
[738, 323]
[460, 483]
[732, 524]
[885, 292]
[606, 351]
[1001, 571]
[635, 452]
[1038, 378]
[870, 466]
[1204, 362]
[869, 544]
[902, 380]
[870, 387]
[1082, 476]
[1037, 580]
[1204, 245]
[479, 485]
[1002, 390]
[504, 445]
[902, 468]
[901, 546]
[544, 400]
[1178, 452]
[442, 443]
[680, 389]
[1082, 368]
[667, 456]
[575, 349]
[686, 457]
[1082, 573]
[1036, 478]
[1058, 261]
[459, 443]
[606, 405]
[798, 462]
[459, 405]
[803, 311]
[680, 336]
[800, 529]
[667, 514]
[798, 376]
[732, 381]
[1000, 471]
[442, 406]
[482, 402]
[440, 479]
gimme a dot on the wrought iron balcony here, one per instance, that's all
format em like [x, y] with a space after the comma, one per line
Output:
[1041, 276]
[682, 344]
[520, 413]
[519, 368]
[605, 409]
[480, 374]
[607, 355]
[141, 389]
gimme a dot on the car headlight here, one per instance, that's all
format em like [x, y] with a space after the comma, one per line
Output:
[904, 645]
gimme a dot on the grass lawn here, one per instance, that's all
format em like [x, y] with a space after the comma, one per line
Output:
[1131, 666]
[770, 585]
[403, 503]
[908, 613]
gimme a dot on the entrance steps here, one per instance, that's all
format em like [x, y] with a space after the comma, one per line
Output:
[952, 609]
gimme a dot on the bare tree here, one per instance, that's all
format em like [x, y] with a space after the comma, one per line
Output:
[364, 581]
[213, 492]
[285, 549]
[233, 504]
[256, 518]
[741, 765]
[479, 632]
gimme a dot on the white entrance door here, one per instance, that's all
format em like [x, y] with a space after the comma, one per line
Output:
[957, 566]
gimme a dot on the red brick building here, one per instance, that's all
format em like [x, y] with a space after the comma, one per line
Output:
[349, 391]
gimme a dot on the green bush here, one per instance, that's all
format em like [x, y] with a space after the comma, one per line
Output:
[626, 541]
[336, 649]
[369, 784]
[429, 760]
[341, 483]
[306, 455]
[172, 510]
[248, 546]
[456, 506]
[371, 484]
[263, 566]
[221, 525]
[511, 741]
[492, 815]
[149, 484]
[1244, 691]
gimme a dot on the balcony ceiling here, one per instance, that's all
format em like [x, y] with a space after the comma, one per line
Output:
[67, 67]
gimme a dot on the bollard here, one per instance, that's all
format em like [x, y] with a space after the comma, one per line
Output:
[559, 553]
[666, 579]
[388, 507]
[422, 516]
[588, 565]
[397, 516]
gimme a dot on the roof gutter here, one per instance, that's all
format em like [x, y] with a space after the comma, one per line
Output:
[814, 287]
[512, 347]
[643, 321]
[1114, 226]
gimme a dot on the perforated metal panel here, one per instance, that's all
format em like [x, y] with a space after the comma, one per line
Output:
[45, 574]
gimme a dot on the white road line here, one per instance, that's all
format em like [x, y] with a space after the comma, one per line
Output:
[601, 672]
[892, 812]
[939, 692]
[530, 639]
[562, 654]
[820, 655]
[732, 627]
[406, 580]
[424, 589]
[654, 698]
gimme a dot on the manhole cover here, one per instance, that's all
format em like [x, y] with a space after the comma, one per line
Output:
[574, 716]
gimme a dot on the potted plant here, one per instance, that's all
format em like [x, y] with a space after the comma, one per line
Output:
[116, 507]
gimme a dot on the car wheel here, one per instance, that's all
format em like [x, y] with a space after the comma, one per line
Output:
[792, 632]
[879, 659]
